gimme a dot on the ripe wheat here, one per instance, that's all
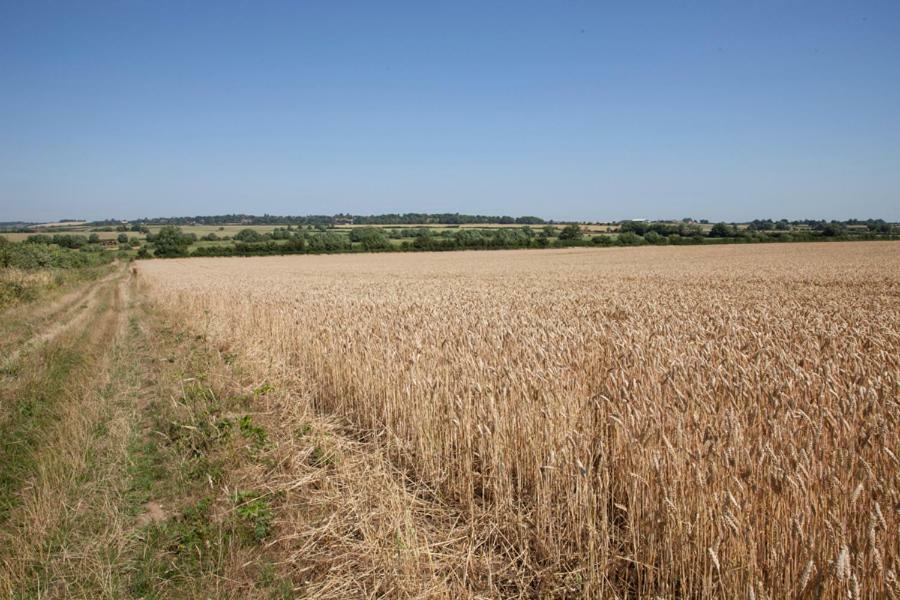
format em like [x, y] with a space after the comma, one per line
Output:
[654, 421]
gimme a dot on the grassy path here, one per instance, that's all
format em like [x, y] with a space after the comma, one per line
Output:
[25, 325]
[112, 456]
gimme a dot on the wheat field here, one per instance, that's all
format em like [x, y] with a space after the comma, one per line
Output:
[674, 422]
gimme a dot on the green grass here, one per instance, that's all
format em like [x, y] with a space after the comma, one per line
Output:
[147, 465]
[183, 460]
[252, 432]
[176, 549]
[255, 514]
[31, 412]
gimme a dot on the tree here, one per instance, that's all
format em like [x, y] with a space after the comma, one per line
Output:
[249, 236]
[93, 239]
[636, 227]
[833, 229]
[122, 238]
[67, 240]
[296, 244]
[171, 242]
[721, 230]
[630, 239]
[371, 238]
[652, 237]
[571, 232]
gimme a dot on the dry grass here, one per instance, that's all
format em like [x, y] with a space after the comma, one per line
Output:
[659, 421]
[73, 437]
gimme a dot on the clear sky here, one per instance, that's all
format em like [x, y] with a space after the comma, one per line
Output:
[726, 110]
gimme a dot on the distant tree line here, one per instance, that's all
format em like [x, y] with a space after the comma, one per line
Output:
[171, 242]
[73, 241]
[78, 241]
[326, 221]
[334, 220]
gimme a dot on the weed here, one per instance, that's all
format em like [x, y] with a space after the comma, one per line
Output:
[145, 468]
[263, 389]
[255, 512]
[302, 430]
[180, 547]
[255, 433]
[319, 458]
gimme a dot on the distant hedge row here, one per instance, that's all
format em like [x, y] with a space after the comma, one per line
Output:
[505, 239]
[33, 256]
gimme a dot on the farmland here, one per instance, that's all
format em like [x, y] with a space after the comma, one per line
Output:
[696, 421]
[247, 235]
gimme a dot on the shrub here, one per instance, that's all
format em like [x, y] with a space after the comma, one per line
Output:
[630, 239]
[172, 242]
[249, 236]
[651, 237]
[571, 232]
[722, 230]
[371, 238]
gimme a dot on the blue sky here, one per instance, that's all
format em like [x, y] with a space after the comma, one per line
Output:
[569, 110]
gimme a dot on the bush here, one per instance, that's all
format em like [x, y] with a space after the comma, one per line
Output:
[371, 238]
[571, 232]
[652, 237]
[249, 236]
[32, 256]
[722, 230]
[172, 242]
[630, 239]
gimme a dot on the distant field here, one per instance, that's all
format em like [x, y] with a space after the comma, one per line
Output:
[650, 422]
